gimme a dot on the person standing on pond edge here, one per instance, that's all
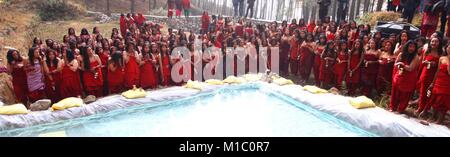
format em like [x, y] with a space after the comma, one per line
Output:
[238, 6]
[323, 8]
[250, 7]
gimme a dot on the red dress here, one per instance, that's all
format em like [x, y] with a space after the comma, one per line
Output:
[149, 74]
[306, 62]
[440, 97]
[341, 68]
[353, 79]
[116, 80]
[166, 71]
[104, 59]
[384, 76]
[70, 84]
[326, 74]
[93, 81]
[294, 55]
[426, 77]
[132, 73]
[53, 87]
[317, 62]
[249, 31]
[403, 86]
[123, 26]
[205, 23]
[19, 80]
[239, 30]
[369, 74]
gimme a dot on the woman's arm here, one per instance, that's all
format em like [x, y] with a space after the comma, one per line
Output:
[414, 64]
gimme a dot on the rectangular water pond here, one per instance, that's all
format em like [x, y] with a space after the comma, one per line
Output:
[233, 111]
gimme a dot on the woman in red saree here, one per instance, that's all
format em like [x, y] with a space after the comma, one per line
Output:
[328, 59]
[370, 69]
[295, 42]
[317, 58]
[92, 74]
[428, 66]
[306, 54]
[386, 66]
[53, 77]
[116, 73]
[354, 67]
[149, 75]
[439, 90]
[15, 67]
[340, 68]
[165, 67]
[205, 22]
[70, 84]
[284, 53]
[404, 77]
[131, 59]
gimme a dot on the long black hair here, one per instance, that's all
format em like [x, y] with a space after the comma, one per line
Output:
[70, 55]
[117, 58]
[48, 60]
[85, 55]
[31, 56]
[10, 58]
[406, 56]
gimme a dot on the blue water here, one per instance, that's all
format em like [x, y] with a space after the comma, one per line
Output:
[234, 111]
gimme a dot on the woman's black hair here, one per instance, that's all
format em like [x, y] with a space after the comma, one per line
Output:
[85, 56]
[399, 39]
[10, 57]
[95, 30]
[97, 50]
[360, 49]
[340, 45]
[84, 31]
[48, 60]
[328, 47]
[406, 56]
[311, 35]
[440, 51]
[391, 51]
[31, 55]
[322, 36]
[117, 58]
[70, 55]
[68, 31]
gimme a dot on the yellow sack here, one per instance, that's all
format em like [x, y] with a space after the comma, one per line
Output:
[214, 82]
[194, 85]
[54, 134]
[13, 109]
[362, 102]
[234, 79]
[135, 93]
[315, 90]
[252, 77]
[282, 81]
[67, 103]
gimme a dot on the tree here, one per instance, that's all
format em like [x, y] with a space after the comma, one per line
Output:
[224, 7]
[133, 6]
[358, 7]
[380, 5]
[366, 6]
[352, 10]
[108, 11]
[333, 13]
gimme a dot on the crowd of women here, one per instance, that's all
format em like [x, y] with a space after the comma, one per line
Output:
[346, 56]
